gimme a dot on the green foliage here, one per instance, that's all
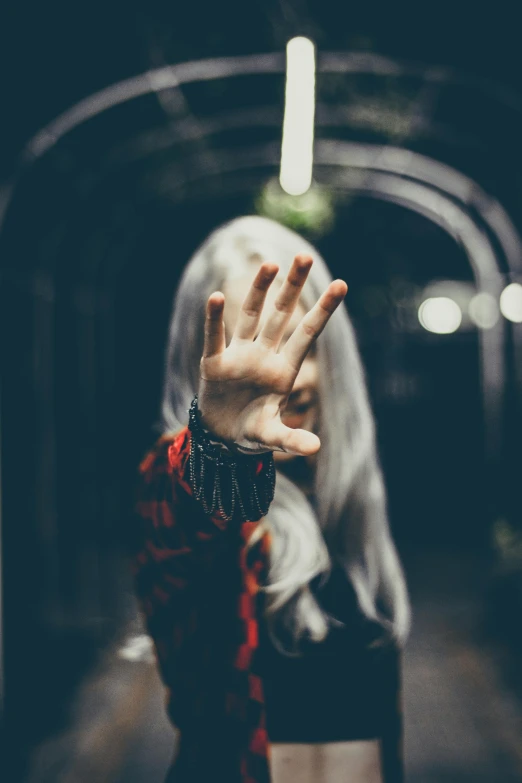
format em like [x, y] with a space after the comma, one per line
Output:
[313, 212]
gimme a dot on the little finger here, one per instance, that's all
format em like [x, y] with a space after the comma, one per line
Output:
[214, 341]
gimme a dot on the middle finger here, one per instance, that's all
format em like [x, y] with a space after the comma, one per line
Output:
[274, 328]
[251, 309]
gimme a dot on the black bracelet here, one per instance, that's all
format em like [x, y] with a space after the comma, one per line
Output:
[227, 481]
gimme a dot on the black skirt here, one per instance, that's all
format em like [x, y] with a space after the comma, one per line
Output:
[340, 689]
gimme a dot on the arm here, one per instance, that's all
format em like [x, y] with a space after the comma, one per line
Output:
[185, 574]
[176, 541]
[172, 532]
[177, 545]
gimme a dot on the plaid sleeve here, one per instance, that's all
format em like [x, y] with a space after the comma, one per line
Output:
[175, 541]
[180, 557]
[177, 552]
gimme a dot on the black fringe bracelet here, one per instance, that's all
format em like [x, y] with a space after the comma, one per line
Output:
[227, 481]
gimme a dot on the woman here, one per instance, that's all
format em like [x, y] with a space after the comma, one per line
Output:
[277, 614]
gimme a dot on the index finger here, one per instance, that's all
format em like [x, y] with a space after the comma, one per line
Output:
[313, 323]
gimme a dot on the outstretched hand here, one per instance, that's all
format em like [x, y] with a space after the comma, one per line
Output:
[244, 387]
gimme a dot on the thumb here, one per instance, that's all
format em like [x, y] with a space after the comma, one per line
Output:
[293, 441]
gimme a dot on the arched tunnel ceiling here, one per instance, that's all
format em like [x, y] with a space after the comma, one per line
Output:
[143, 136]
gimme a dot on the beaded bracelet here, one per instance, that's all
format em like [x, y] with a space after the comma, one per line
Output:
[224, 480]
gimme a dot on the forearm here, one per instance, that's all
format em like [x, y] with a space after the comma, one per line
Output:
[177, 541]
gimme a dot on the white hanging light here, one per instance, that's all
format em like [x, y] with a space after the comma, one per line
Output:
[298, 124]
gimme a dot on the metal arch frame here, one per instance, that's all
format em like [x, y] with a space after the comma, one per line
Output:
[383, 157]
[171, 76]
[174, 76]
[389, 167]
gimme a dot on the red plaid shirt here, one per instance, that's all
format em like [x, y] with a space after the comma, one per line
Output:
[197, 585]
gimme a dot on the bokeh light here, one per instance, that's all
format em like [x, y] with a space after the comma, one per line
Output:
[483, 310]
[440, 314]
[511, 302]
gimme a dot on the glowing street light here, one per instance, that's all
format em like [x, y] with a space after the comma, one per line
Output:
[511, 302]
[440, 314]
[298, 124]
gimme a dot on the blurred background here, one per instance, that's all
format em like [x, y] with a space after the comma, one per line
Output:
[129, 131]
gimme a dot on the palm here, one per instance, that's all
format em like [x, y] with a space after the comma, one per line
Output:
[244, 386]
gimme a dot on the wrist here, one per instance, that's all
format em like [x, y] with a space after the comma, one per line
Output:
[198, 425]
[221, 481]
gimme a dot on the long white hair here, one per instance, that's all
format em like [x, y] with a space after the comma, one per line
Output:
[349, 524]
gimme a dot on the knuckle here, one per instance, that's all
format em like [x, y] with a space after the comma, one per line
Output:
[296, 280]
[265, 340]
[309, 329]
[281, 306]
